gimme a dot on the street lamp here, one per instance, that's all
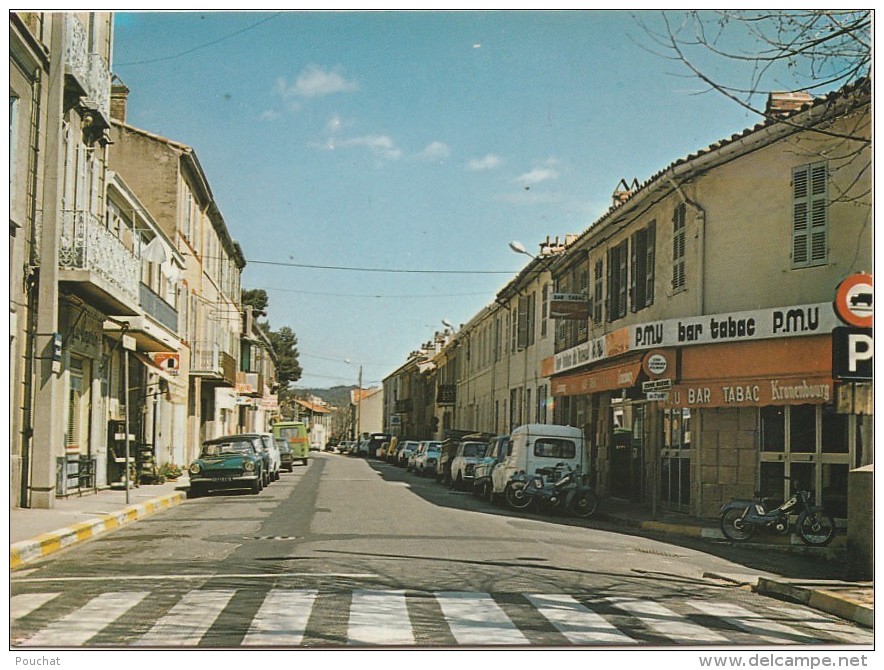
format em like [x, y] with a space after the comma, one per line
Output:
[519, 248]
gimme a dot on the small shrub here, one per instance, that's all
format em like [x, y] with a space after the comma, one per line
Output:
[170, 471]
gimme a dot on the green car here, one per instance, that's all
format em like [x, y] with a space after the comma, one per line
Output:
[231, 462]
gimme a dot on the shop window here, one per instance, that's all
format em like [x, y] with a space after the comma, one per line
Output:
[802, 429]
[835, 432]
[771, 484]
[773, 429]
[834, 493]
[677, 428]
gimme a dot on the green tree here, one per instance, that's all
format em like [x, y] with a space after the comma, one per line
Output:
[257, 298]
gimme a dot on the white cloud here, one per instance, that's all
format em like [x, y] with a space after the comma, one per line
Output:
[315, 82]
[435, 151]
[487, 162]
[540, 174]
[270, 115]
[380, 145]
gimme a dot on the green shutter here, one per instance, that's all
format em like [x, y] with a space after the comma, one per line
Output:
[809, 215]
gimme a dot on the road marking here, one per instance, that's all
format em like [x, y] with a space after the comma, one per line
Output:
[25, 603]
[576, 622]
[163, 578]
[817, 621]
[751, 622]
[474, 618]
[188, 621]
[282, 618]
[666, 622]
[379, 618]
[80, 626]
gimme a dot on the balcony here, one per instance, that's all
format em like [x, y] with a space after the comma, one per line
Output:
[89, 72]
[158, 309]
[97, 265]
[209, 362]
[447, 394]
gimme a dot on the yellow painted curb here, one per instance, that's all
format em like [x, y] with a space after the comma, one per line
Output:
[27, 551]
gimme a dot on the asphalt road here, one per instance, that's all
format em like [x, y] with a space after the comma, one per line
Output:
[347, 552]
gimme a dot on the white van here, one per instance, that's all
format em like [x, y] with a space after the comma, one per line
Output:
[539, 445]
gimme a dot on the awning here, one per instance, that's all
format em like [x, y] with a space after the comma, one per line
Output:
[622, 375]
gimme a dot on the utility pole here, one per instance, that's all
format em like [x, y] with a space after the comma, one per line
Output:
[358, 407]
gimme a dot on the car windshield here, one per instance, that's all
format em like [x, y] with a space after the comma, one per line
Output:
[232, 447]
[551, 447]
[289, 432]
[432, 449]
[474, 450]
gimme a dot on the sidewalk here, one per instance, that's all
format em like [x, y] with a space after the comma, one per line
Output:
[35, 533]
[854, 601]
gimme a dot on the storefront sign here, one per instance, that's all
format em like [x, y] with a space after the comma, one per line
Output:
[612, 377]
[168, 361]
[752, 393]
[762, 324]
[569, 306]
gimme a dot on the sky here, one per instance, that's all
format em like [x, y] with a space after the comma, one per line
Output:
[418, 143]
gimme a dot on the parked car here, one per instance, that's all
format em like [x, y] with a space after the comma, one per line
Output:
[406, 451]
[295, 433]
[425, 459]
[449, 451]
[375, 442]
[463, 465]
[497, 452]
[235, 461]
[266, 456]
[538, 445]
[286, 460]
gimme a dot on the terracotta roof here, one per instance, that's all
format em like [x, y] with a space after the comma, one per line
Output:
[313, 407]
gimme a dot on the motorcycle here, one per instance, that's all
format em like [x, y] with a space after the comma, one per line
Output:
[741, 519]
[556, 487]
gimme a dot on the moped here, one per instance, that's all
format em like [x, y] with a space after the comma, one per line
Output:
[555, 487]
[741, 519]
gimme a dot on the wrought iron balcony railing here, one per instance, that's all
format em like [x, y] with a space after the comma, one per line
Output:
[157, 308]
[85, 244]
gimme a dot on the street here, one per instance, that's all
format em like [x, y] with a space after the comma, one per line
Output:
[350, 552]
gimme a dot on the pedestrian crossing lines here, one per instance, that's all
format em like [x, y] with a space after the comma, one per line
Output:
[281, 617]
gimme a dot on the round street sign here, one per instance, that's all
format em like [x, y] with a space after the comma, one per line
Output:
[854, 300]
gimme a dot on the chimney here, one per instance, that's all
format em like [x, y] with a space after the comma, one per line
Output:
[783, 103]
[118, 97]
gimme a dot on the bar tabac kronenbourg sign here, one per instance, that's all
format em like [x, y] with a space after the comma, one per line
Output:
[568, 306]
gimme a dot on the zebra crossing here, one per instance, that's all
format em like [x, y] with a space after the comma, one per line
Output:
[290, 617]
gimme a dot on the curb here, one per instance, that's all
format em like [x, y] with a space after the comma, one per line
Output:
[27, 551]
[819, 598]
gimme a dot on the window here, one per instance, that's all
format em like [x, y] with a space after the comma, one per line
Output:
[641, 291]
[678, 248]
[551, 447]
[618, 268]
[544, 310]
[810, 207]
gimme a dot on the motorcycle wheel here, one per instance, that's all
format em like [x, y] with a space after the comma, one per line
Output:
[583, 505]
[733, 527]
[816, 528]
[517, 496]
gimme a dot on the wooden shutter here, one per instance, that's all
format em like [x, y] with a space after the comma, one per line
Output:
[650, 260]
[809, 215]
[678, 248]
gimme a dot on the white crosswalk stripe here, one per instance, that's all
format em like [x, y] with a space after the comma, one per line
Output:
[80, 626]
[25, 603]
[476, 619]
[761, 627]
[666, 622]
[284, 618]
[379, 618]
[188, 621]
[576, 622]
